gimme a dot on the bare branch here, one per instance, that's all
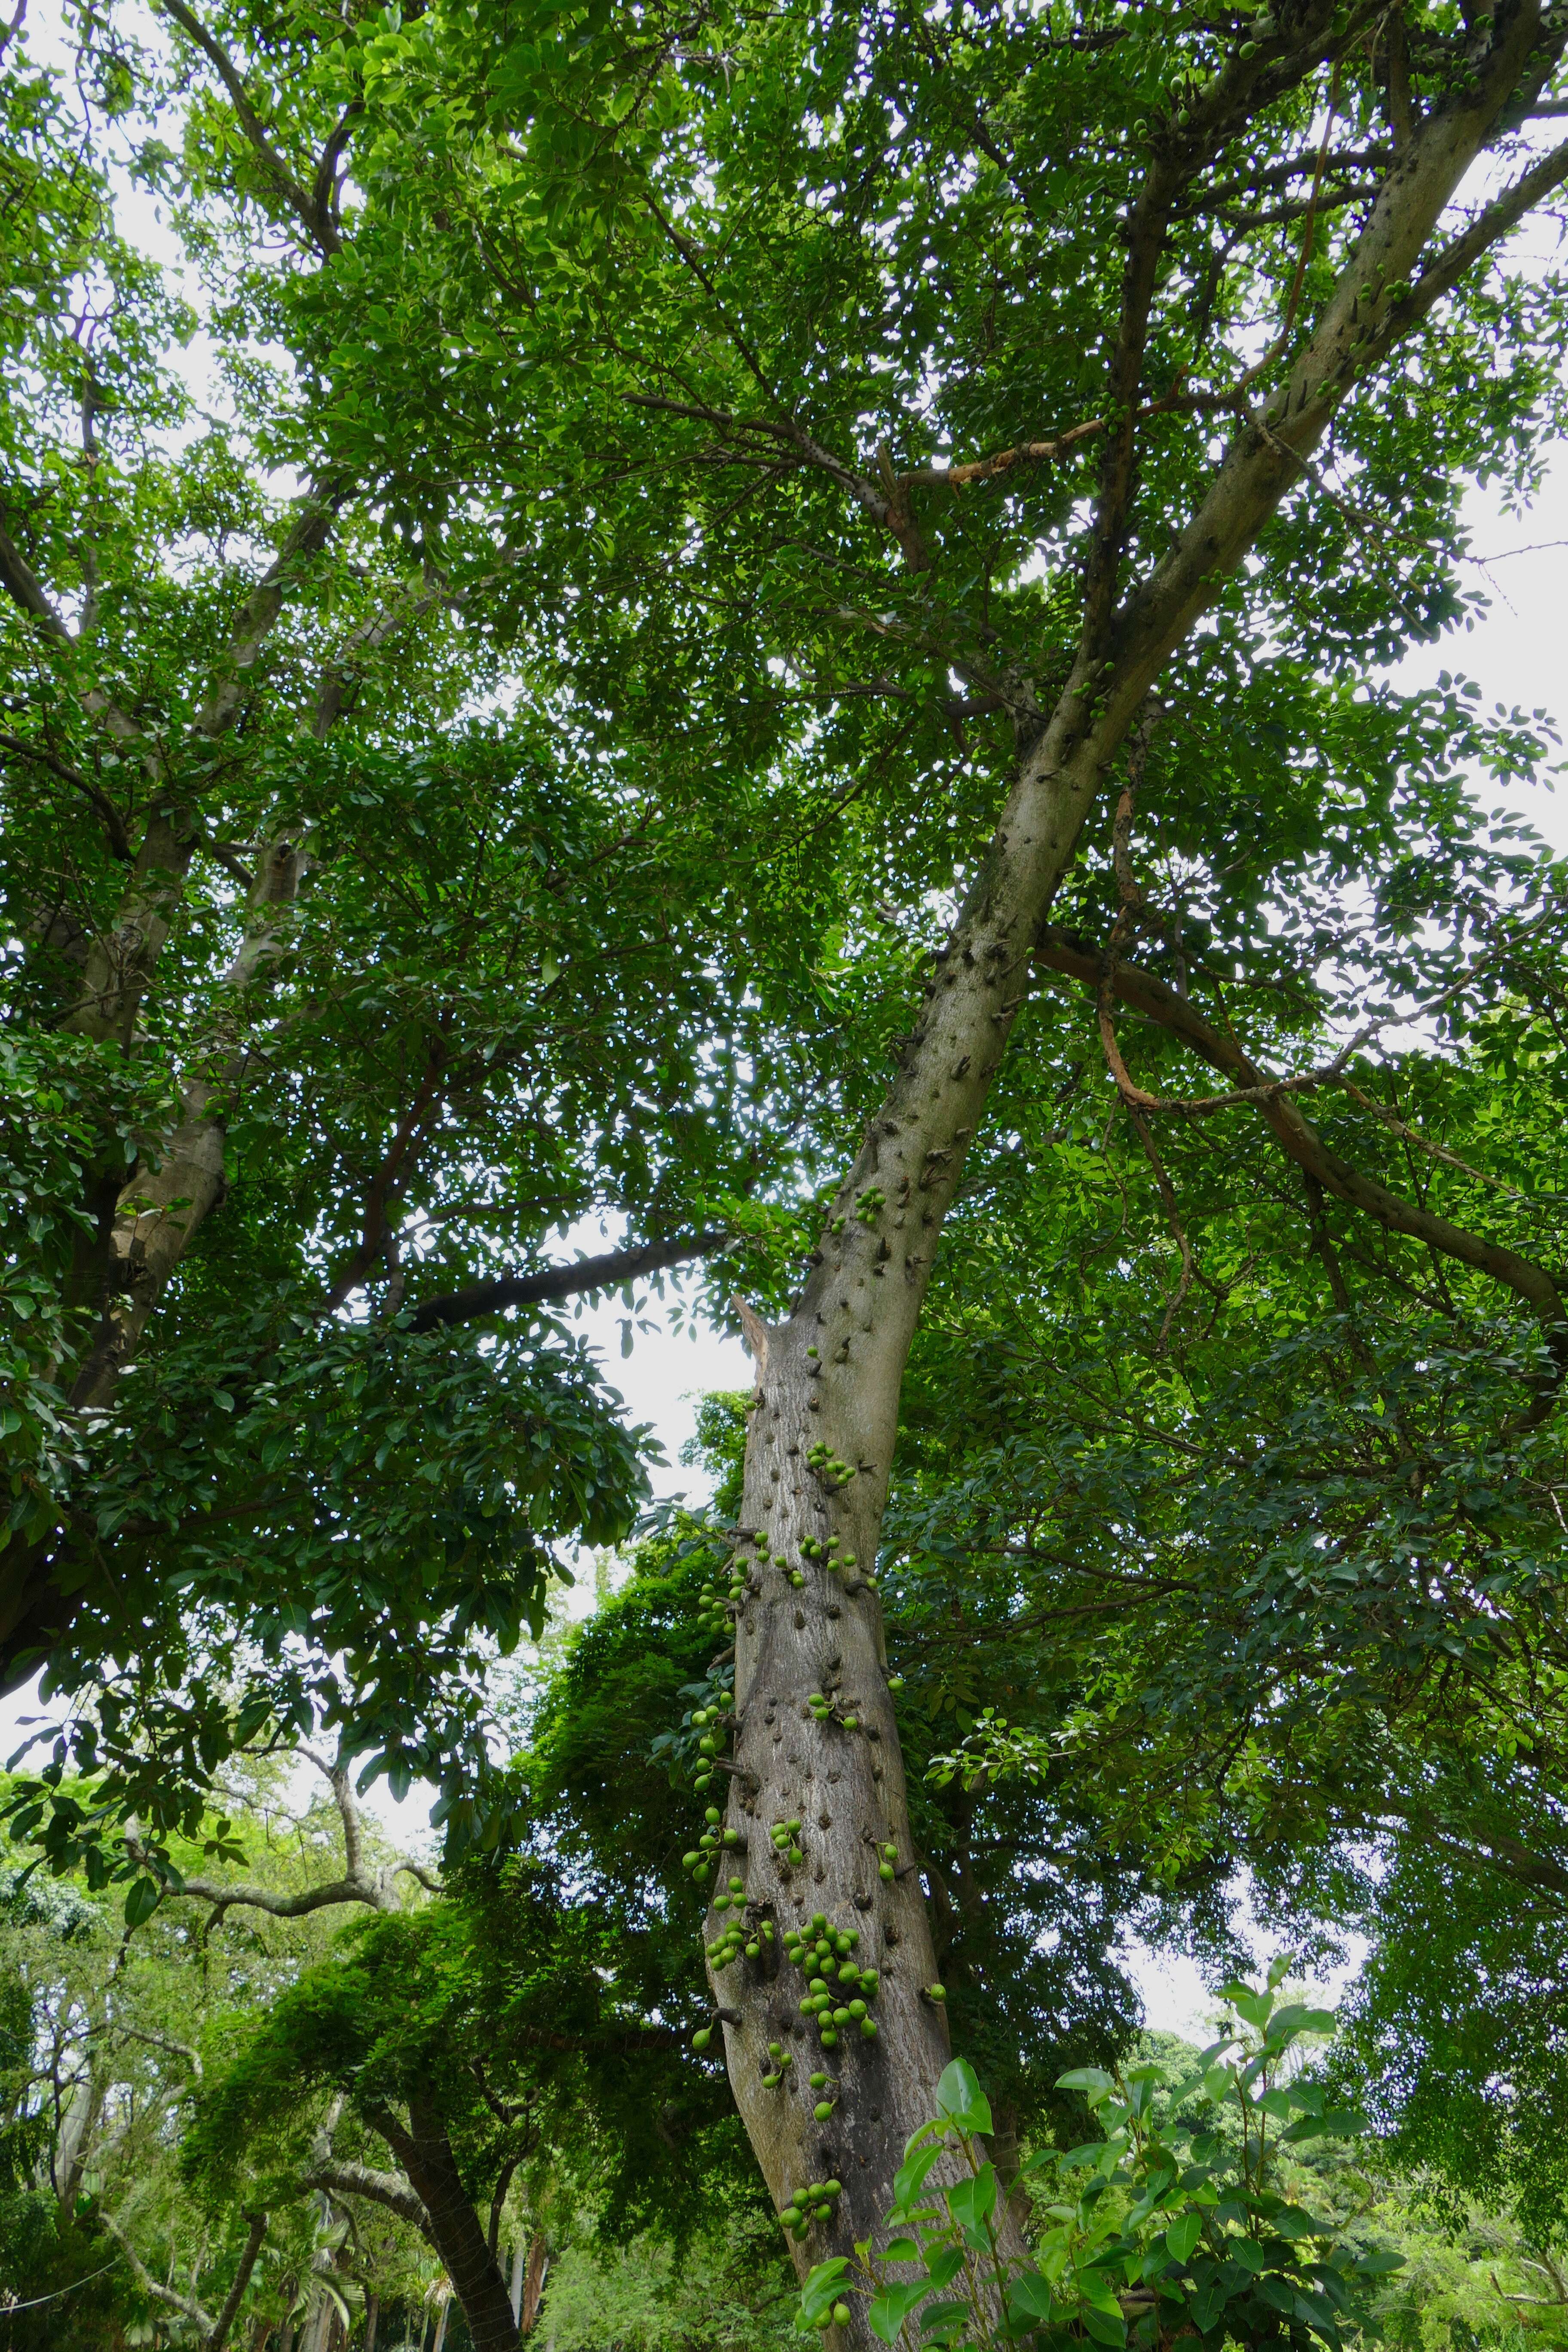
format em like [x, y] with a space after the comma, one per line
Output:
[165, 2041]
[563, 1281]
[185, 2303]
[217, 2336]
[388, 2188]
[242, 1895]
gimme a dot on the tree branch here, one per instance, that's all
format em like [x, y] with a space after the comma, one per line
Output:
[113, 823]
[21, 583]
[185, 2303]
[388, 2188]
[242, 1895]
[217, 2336]
[563, 1281]
[165, 2042]
[315, 219]
[1059, 951]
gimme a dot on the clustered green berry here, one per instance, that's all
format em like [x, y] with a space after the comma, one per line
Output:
[712, 1844]
[829, 1555]
[786, 1836]
[730, 1899]
[815, 2202]
[839, 1989]
[870, 1204]
[828, 1467]
[889, 1865]
[782, 2059]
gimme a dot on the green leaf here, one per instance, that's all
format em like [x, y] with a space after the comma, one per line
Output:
[1091, 2080]
[143, 1897]
[1208, 2303]
[960, 2098]
[819, 2291]
[1183, 2235]
[973, 2201]
[890, 2308]
[1253, 2007]
[910, 2175]
[1029, 2300]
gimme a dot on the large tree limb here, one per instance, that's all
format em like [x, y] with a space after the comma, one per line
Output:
[217, 2336]
[564, 1281]
[26, 591]
[387, 2188]
[121, 962]
[1059, 951]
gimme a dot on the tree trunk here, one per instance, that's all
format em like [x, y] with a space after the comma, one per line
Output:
[534, 2284]
[441, 2323]
[155, 1218]
[519, 2256]
[828, 1378]
[454, 2229]
[372, 2314]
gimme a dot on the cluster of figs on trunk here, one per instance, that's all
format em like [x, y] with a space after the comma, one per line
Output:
[838, 1991]
[813, 2203]
[713, 1842]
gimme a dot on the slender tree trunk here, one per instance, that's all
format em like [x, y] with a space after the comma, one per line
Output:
[454, 2227]
[441, 2323]
[519, 2256]
[372, 2314]
[534, 2284]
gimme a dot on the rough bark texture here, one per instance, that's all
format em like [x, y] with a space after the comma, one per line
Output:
[831, 1375]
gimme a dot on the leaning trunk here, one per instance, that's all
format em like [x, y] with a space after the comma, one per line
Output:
[816, 1739]
[456, 2232]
